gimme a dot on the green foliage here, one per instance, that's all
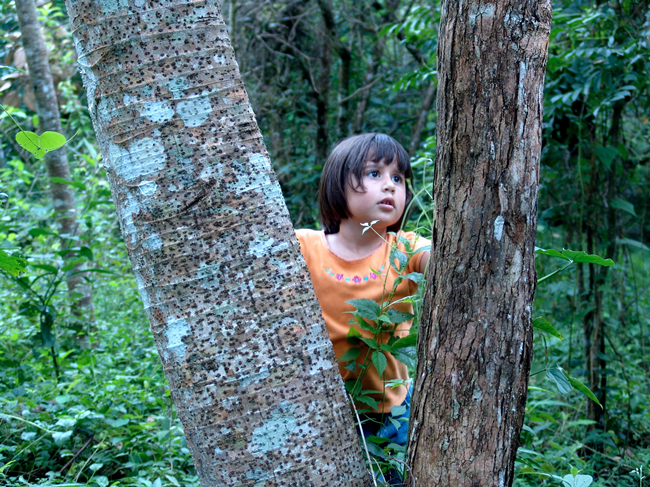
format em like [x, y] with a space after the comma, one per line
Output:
[39, 145]
[110, 405]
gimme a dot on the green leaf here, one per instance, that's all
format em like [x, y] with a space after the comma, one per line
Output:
[37, 232]
[47, 337]
[371, 342]
[366, 308]
[397, 410]
[545, 326]
[621, 204]
[584, 257]
[76, 184]
[551, 252]
[529, 430]
[632, 243]
[50, 269]
[361, 323]
[368, 401]
[52, 140]
[398, 317]
[30, 142]
[416, 277]
[353, 336]
[404, 342]
[401, 258]
[350, 354]
[86, 252]
[583, 388]
[405, 355]
[39, 146]
[577, 481]
[378, 359]
[578, 256]
[556, 374]
[351, 366]
[11, 264]
[606, 155]
[61, 437]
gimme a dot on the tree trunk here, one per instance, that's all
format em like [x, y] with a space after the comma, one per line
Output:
[475, 338]
[56, 161]
[420, 124]
[239, 331]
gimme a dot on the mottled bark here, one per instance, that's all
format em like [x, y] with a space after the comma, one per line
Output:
[239, 331]
[56, 162]
[475, 338]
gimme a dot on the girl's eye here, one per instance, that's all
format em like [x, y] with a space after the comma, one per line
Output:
[373, 174]
[397, 179]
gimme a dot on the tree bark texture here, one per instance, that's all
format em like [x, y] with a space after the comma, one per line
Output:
[239, 331]
[475, 339]
[56, 162]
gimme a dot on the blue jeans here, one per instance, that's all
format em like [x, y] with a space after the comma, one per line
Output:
[394, 431]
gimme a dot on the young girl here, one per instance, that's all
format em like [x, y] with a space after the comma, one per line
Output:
[364, 181]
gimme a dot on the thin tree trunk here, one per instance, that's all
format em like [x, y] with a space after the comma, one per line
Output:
[239, 331]
[475, 339]
[56, 161]
[420, 124]
[345, 56]
[322, 101]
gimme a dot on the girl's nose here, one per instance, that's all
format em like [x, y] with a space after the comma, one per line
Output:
[389, 185]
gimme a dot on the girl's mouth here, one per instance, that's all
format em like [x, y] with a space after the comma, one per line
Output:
[387, 202]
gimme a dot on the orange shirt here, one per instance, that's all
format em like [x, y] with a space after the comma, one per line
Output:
[337, 280]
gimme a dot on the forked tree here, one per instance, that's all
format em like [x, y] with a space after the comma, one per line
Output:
[238, 328]
[475, 340]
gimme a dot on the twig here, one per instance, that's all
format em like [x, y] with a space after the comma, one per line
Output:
[363, 438]
[359, 90]
[74, 457]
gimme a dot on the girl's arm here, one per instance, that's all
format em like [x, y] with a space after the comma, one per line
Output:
[424, 260]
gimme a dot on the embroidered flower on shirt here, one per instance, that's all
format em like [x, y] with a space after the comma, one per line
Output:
[356, 279]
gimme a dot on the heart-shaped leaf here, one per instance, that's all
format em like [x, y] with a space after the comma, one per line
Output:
[39, 146]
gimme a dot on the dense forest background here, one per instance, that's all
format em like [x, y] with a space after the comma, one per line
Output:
[84, 400]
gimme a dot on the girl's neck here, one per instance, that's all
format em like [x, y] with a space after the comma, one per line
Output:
[350, 243]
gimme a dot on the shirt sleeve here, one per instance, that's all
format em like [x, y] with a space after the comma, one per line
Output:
[417, 243]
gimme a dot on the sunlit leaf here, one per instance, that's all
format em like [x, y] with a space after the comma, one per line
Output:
[12, 265]
[545, 326]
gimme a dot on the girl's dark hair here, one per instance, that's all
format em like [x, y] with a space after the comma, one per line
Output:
[344, 167]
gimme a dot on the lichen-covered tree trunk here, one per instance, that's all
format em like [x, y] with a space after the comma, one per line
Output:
[239, 331]
[475, 338]
[56, 162]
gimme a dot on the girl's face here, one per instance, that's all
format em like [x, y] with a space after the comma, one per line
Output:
[383, 197]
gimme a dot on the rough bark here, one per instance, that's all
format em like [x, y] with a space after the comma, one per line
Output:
[56, 162]
[239, 331]
[475, 338]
